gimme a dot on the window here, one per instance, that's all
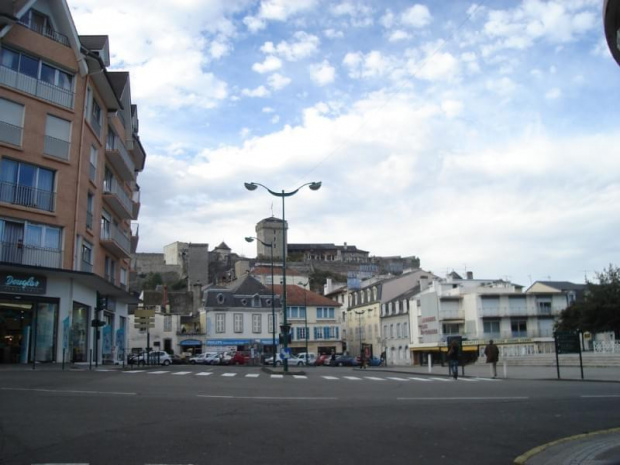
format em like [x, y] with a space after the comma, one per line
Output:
[451, 328]
[296, 313]
[110, 269]
[220, 322]
[318, 333]
[95, 117]
[238, 322]
[167, 323]
[123, 278]
[11, 122]
[31, 75]
[90, 200]
[385, 331]
[93, 163]
[27, 185]
[518, 328]
[106, 226]
[271, 323]
[391, 331]
[301, 333]
[257, 323]
[491, 326]
[57, 137]
[405, 330]
[87, 256]
[398, 330]
[325, 313]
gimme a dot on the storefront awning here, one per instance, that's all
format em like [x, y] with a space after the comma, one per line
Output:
[190, 342]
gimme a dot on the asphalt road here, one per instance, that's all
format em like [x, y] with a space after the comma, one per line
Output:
[236, 415]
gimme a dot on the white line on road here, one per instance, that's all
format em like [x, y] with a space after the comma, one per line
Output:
[300, 377]
[60, 391]
[398, 379]
[462, 398]
[204, 373]
[133, 371]
[157, 372]
[373, 378]
[419, 379]
[277, 376]
[252, 375]
[469, 379]
[330, 377]
[267, 398]
[229, 375]
[601, 396]
[441, 379]
[181, 373]
[487, 379]
[353, 378]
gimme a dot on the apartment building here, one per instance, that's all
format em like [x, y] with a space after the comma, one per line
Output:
[69, 158]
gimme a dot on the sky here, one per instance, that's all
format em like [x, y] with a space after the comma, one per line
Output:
[477, 136]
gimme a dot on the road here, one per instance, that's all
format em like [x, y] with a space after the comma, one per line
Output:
[234, 415]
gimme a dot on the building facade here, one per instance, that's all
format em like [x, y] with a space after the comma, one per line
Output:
[69, 157]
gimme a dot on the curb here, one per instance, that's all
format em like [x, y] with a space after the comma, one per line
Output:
[523, 458]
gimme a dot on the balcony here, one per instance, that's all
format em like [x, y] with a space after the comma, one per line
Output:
[27, 196]
[117, 199]
[10, 134]
[115, 241]
[47, 32]
[135, 236]
[33, 86]
[119, 158]
[136, 203]
[23, 254]
[56, 148]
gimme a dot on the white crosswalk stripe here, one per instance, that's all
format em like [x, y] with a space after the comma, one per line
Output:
[133, 371]
[441, 379]
[157, 372]
[353, 378]
[487, 379]
[204, 373]
[373, 378]
[181, 373]
[277, 376]
[469, 379]
[229, 375]
[419, 379]
[398, 379]
[300, 377]
[252, 375]
[330, 377]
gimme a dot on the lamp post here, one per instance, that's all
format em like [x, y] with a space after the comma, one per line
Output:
[306, 318]
[359, 322]
[273, 307]
[315, 186]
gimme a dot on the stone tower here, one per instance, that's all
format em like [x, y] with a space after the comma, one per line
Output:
[269, 231]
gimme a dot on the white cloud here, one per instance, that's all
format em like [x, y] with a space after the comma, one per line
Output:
[322, 73]
[553, 94]
[398, 35]
[333, 34]
[277, 81]
[269, 65]
[281, 10]
[260, 91]
[254, 24]
[303, 46]
[370, 65]
[452, 108]
[502, 86]
[417, 16]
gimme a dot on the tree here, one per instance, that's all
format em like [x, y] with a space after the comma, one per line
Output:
[599, 308]
[151, 281]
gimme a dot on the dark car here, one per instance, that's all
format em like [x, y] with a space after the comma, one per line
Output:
[343, 361]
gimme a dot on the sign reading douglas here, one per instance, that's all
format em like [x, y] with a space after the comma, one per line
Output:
[22, 283]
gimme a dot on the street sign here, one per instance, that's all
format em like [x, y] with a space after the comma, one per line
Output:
[144, 325]
[567, 342]
[144, 313]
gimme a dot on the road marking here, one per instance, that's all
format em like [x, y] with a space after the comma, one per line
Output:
[398, 379]
[353, 378]
[267, 398]
[252, 375]
[601, 396]
[488, 379]
[181, 373]
[373, 378]
[157, 372]
[204, 373]
[277, 376]
[133, 371]
[300, 377]
[441, 379]
[463, 398]
[469, 379]
[229, 375]
[420, 379]
[60, 391]
[330, 377]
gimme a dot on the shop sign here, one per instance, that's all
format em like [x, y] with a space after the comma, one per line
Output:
[23, 283]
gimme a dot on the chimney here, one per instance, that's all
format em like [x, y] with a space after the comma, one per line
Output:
[470, 275]
[424, 283]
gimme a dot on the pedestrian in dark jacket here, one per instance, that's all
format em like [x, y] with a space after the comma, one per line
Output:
[453, 359]
[492, 353]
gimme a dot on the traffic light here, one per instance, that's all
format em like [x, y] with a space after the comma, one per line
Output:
[97, 323]
[102, 301]
[281, 338]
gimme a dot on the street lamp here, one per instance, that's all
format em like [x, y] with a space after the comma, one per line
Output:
[359, 322]
[306, 318]
[273, 307]
[315, 186]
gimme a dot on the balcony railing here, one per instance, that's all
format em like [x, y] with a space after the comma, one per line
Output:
[33, 86]
[118, 199]
[529, 310]
[497, 336]
[23, 254]
[26, 196]
[47, 32]
[120, 159]
[10, 134]
[56, 147]
[111, 233]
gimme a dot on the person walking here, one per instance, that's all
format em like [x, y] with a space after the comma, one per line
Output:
[453, 359]
[383, 362]
[492, 353]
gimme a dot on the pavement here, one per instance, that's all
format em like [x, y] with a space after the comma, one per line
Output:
[593, 448]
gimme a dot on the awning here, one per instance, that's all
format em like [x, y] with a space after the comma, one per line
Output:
[191, 342]
[444, 349]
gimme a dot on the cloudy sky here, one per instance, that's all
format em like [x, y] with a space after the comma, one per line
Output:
[476, 136]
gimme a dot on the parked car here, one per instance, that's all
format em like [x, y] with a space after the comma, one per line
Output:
[177, 359]
[371, 362]
[203, 358]
[343, 361]
[224, 358]
[292, 361]
[320, 360]
[157, 357]
[308, 358]
[239, 358]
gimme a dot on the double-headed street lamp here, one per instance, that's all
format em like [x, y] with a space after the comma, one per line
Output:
[306, 317]
[315, 186]
[273, 307]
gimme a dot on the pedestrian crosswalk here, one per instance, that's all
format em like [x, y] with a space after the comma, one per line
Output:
[400, 379]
